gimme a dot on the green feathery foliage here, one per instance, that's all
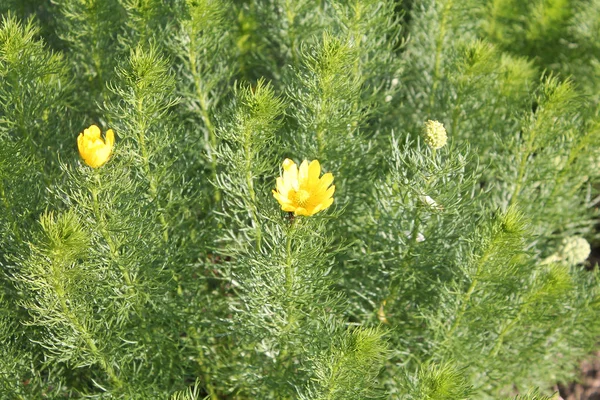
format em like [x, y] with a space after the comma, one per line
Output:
[462, 141]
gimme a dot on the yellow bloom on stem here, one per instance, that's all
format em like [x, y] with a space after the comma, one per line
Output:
[302, 191]
[93, 149]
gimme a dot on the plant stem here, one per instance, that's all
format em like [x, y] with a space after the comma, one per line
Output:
[131, 287]
[467, 296]
[560, 176]
[500, 338]
[289, 278]
[153, 189]
[99, 215]
[332, 383]
[290, 16]
[79, 327]
[204, 112]
[11, 215]
[455, 114]
[523, 163]
[320, 140]
[201, 360]
[394, 282]
[250, 183]
[438, 52]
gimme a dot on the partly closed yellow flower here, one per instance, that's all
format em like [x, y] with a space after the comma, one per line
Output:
[93, 149]
[302, 191]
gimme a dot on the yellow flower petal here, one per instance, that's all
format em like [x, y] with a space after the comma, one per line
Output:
[110, 137]
[80, 142]
[326, 180]
[303, 173]
[290, 174]
[93, 132]
[301, 211]
[288, 208]
[330, 191]
[327, 203]
[282, 187]
[280, 198]
[314, 170]
[318, 208]
[287, 164]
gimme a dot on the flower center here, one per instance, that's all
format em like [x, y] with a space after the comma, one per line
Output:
[302, 197]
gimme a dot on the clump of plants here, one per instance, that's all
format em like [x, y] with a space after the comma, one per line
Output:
[317, 200]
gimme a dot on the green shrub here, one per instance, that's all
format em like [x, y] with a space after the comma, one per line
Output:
[178, 265]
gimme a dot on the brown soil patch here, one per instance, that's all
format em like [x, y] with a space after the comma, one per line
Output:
[589, 386]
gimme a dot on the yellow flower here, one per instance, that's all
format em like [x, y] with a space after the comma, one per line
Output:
[302, 191]
[95, 151]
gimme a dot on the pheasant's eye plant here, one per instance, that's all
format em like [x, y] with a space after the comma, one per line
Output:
[426, 236]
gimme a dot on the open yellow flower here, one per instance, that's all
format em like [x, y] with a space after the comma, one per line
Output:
[93, 149]
[302, 191]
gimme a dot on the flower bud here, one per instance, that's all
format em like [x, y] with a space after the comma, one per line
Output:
[434, 134]
[574, 250]
[93, 149]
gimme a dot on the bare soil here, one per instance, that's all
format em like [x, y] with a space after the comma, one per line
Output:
[589, 386]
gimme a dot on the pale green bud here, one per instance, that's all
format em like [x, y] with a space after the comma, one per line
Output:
[434, 134]
[574, 250]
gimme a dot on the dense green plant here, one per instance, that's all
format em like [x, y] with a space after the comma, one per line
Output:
[444, 269]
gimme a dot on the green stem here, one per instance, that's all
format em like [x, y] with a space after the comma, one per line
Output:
[559, 178]
[255, 219]
[131, 288]
[213, 144]
[332, 383]
[438, 52]
[523, 164]
[79, 327]
[153, 189]
[99, 215]
[289, 272]
[290, 16]
[455, 114]
[201, 360]
[250, 183]
[96, 56]
[320, 141]
[11, 215]
[285, 359]
[500, 338]
[531, 299]
[467, 296]
[356, 35]
[465, 303]
[394, 284]
[204, 112]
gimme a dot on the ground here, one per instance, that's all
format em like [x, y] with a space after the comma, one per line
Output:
[589, 386]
